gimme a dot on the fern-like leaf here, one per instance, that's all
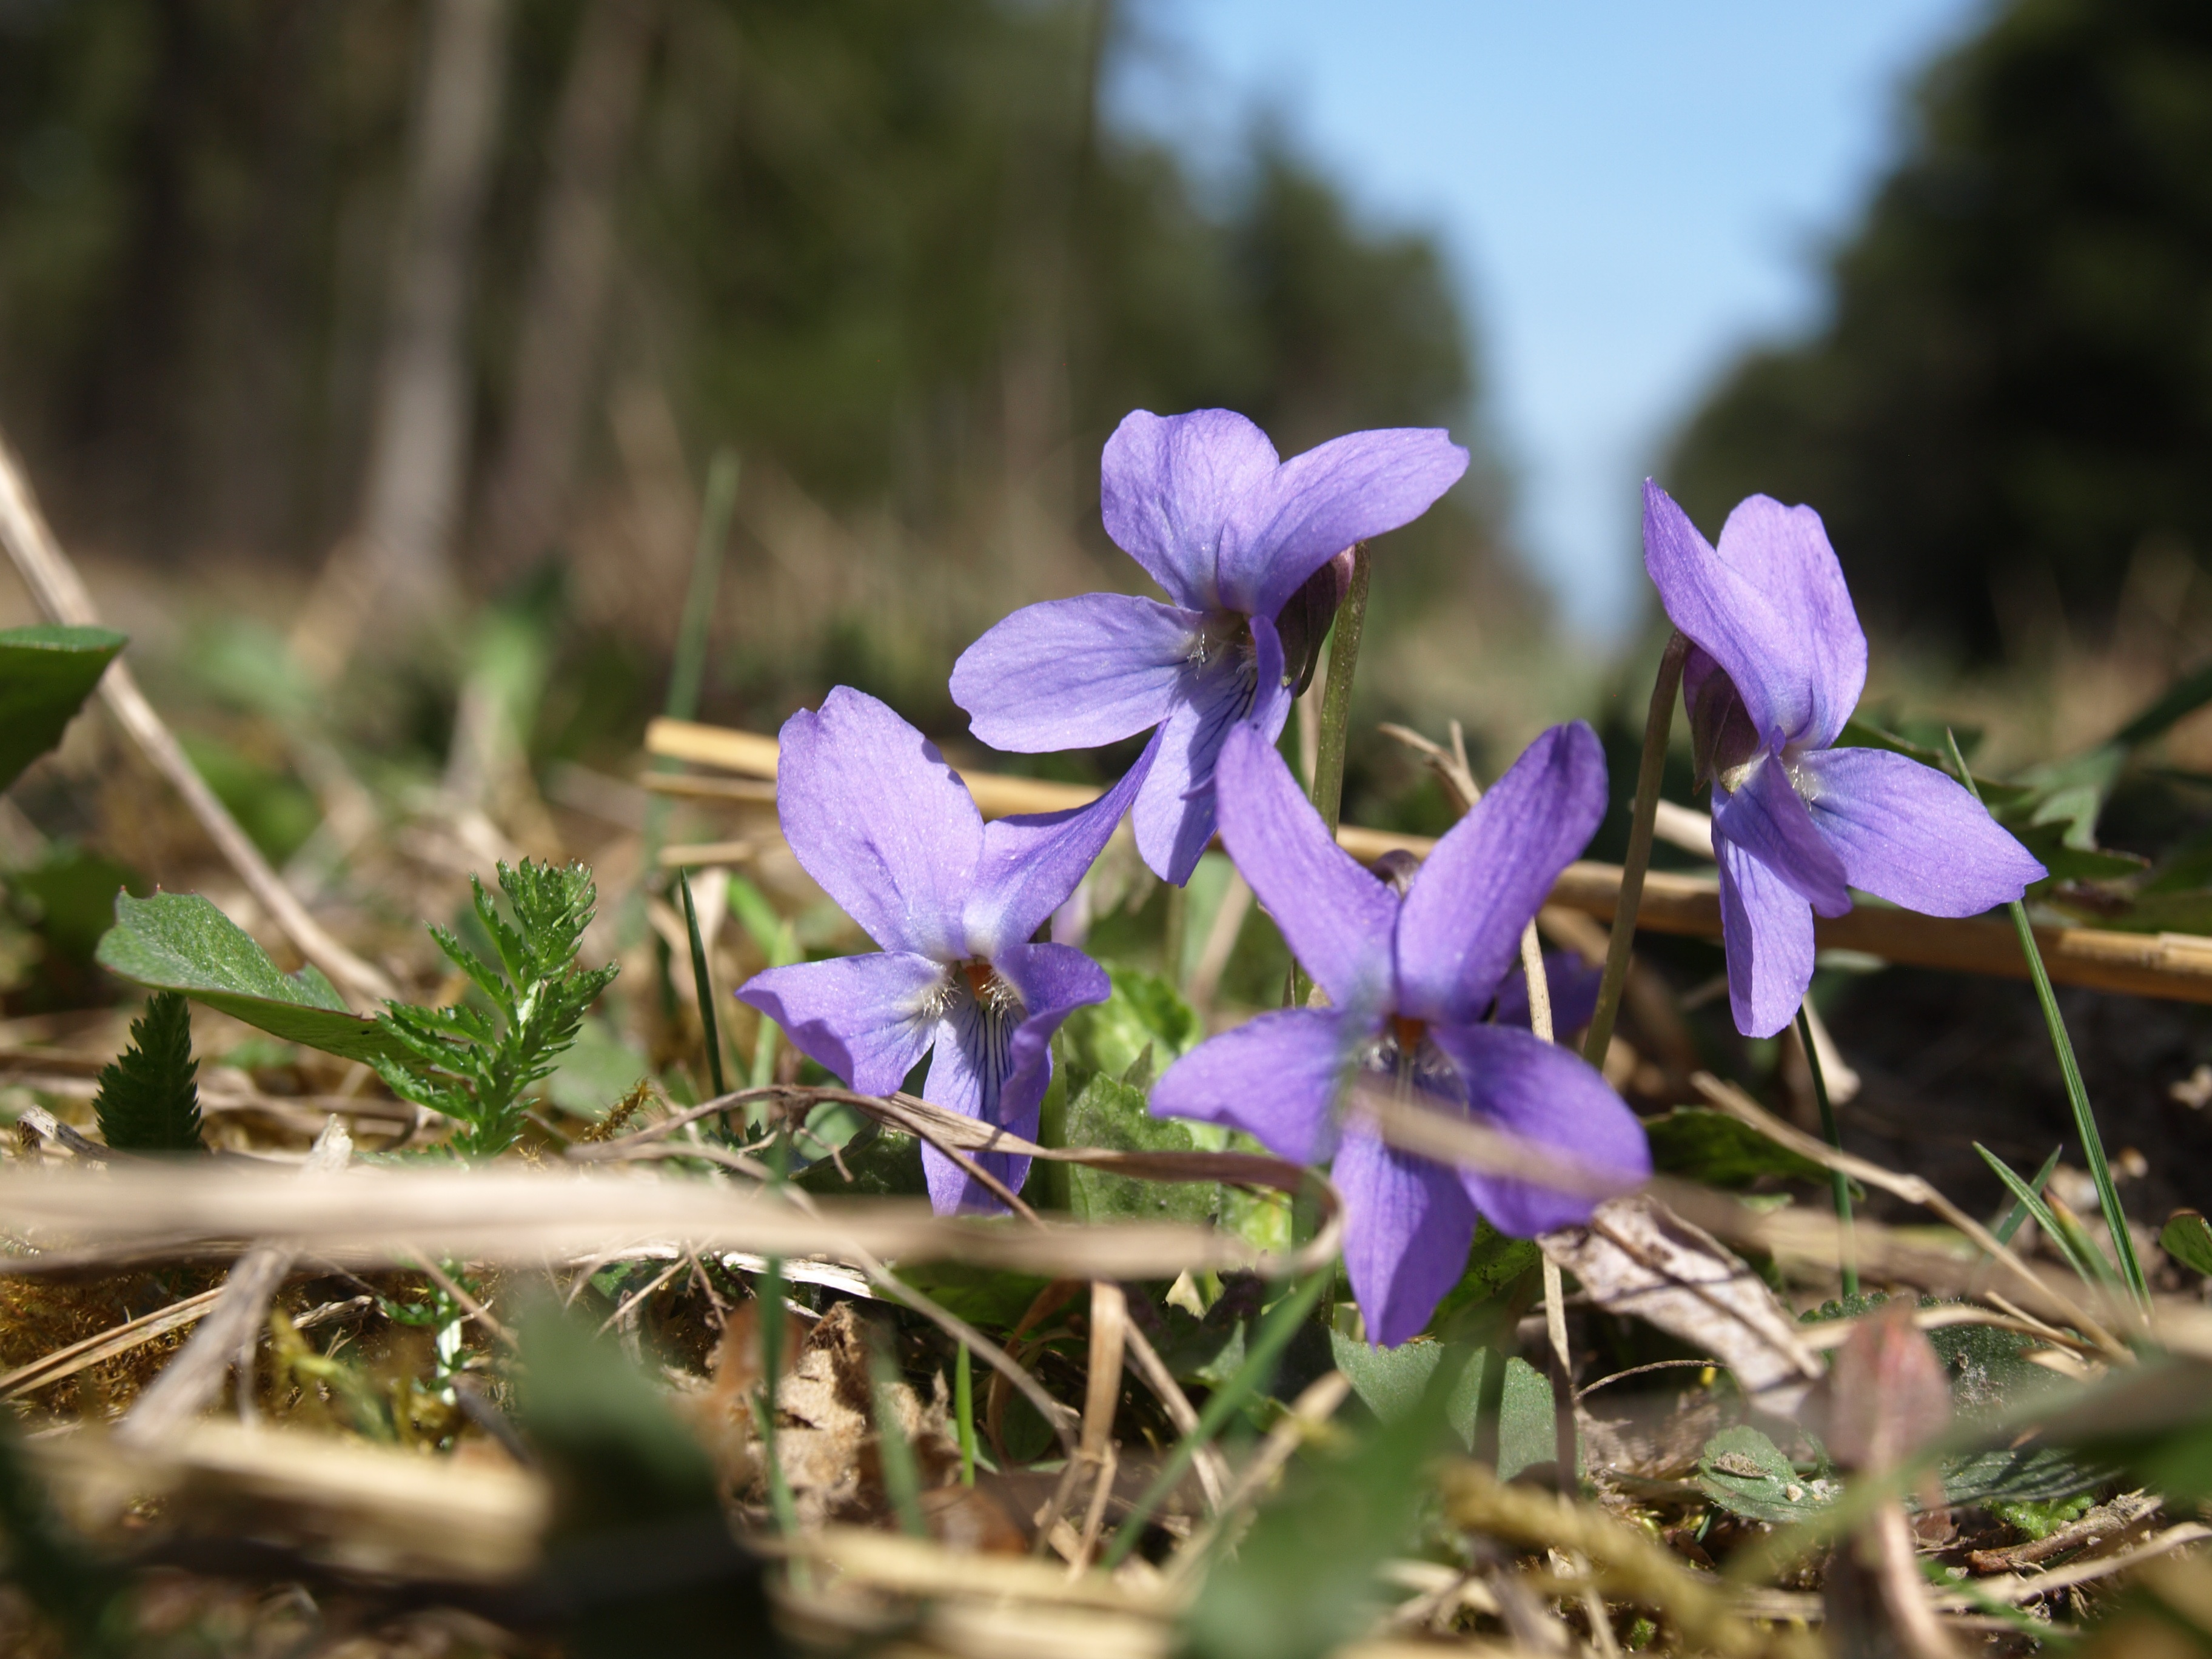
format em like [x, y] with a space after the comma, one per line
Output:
[149, 1101]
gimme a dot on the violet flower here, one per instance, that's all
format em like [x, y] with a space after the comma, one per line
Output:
[1777, 665]
[874, 815]
[1233, 535]
[1409, 981]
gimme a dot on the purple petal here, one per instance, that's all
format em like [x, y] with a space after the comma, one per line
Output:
[1768, 819]
[1784, 551]
[1573, 984]
[1550, 1097]
[874, 815]
[1907, 832]
[1407, 1223]
[1174, 811]
[1075, 673]
[1336, 917]
[1275, 1077]
[994, 1063]
[866, 1018]
[1769, 607]
[1319, 503]
[1460, 927]
[1168, 486]
[1766, 927]
[1031, 863]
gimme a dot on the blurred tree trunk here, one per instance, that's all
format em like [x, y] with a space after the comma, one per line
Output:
[418, 454]
[563, 312]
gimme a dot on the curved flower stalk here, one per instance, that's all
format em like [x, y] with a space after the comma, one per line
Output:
[1234, 536]
[874, 815]
[1410, 981]
[1777, 665]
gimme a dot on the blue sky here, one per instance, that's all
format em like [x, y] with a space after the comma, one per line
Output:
[1631, 191]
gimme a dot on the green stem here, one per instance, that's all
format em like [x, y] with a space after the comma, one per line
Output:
[1651, 772]
[894, 1452]
[1848, 1257]
[2077, 1092]
[963, 1412]
[1335, 739]
[1267, 1344]
[702, 986]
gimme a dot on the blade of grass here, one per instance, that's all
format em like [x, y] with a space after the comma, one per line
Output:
[2077, 1092]
[893, 1453]
[963, 1412]
[1336, 720]
[2010, 1225]
[1841, 1183]
[1267, 1344]
[1651, 772]
[773, 934]
[703, 988]
[2063, 1238]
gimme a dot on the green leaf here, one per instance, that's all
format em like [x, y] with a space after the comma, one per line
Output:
[1712, 1146]
[45, 674]
[180, 942]
[1110, 1116]
[598, 1070]
[1393, 1382]
[2038, 1520]
[987, 1297]
[2054, 844]
[883, 1163]
[1145, 1012]
[147, 1100]
[2025, 1476]
[2187, 1238]
[1747, 1474]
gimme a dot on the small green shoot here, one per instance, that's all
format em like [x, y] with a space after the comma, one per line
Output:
[894, 1452]
[477, 1067]
[702, 986]
[2077, 1092]
[2082, 1258]
[963, 1412]
[2009, 1224]
[149, 1101]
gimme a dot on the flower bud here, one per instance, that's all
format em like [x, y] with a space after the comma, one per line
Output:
[1306, 619]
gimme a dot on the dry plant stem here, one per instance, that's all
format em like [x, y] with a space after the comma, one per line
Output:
[1267, 1346]
[51, 1367]
[636, 1299]
[1904, 1591]
[1313, 1407]
[1212, 1469]
[461, 1299]
[1913, 1190]
[61, 593]
[2077, 1092]
[1840, 1184]
[1650, 771]
[226, 1334]
[1565, 1448]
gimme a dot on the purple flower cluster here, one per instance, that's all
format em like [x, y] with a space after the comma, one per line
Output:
[1777, 664]
[1425, 1005]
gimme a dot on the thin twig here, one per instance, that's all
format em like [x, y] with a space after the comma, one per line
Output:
[61, 593]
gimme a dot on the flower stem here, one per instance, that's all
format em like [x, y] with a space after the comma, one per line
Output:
[2077, 1092]
[1658, 725]
[1336, 719]
[1266, 1346]
[1849, 1255]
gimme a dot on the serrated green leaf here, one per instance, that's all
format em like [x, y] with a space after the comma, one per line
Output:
[45, 674]
[2038, 1520]
[2187, 1238]
[147, 1100]
[180, 942]
[1712, 1146]
[1110, 1115]
[1747, 1474]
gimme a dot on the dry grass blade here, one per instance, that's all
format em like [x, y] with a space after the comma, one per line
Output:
[503, 1215]
[106, 1345]
[1637, 1257]
[1910, 1187]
